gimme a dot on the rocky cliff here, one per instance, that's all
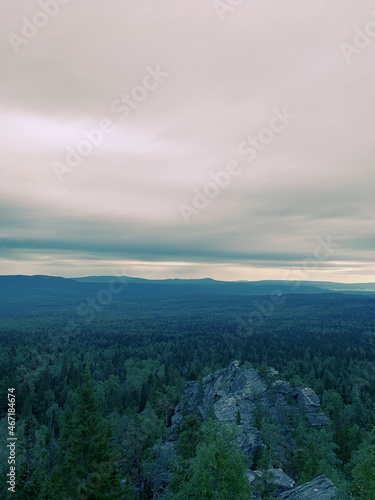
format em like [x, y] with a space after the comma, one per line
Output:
[243, 397]
[236, 395]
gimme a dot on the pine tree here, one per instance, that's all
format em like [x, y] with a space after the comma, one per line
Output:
[26, 407]
[363, 485]
[238, 417]
[266, 485]
[189, 436]
[27, 487]
[64, 368]
[143, 398]
[217, 471]
[87, 466]
[314, 453]
[128, 490]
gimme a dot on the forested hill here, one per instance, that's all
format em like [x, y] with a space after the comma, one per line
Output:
[35, 293]
[112, 360]
[248, 287]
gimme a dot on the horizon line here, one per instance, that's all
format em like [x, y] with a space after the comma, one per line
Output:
[188, 279]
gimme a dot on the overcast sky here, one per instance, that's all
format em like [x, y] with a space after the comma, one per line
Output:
[280, 95]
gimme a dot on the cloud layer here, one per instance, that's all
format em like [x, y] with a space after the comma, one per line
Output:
[185, 88]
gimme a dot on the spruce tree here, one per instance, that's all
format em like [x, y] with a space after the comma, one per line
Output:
[87, 466]
[238, 417]
[27, 485]
[363, 485]
[217, 471]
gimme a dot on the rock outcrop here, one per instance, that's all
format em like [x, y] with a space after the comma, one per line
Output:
[281, 481]
[320, 488]
[236, 396]
[310, 402]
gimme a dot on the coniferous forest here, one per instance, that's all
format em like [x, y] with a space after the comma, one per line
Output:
[95, 403]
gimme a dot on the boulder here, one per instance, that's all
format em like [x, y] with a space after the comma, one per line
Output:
[320, 488]
[276, 477]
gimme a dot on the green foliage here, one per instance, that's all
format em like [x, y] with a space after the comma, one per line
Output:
[128, 490]
[266, 487]
[218, 469]
[142, 352]
[238, 417]
[189, 436]
[87, 468]
[314, 453]
[363, 485]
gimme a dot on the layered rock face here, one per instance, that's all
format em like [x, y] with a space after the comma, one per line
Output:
[234, 396]
[320, 488]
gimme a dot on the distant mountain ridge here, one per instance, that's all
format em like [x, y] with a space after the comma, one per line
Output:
[19, 293]
[321, 285]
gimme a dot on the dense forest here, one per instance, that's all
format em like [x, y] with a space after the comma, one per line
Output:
[94, 401]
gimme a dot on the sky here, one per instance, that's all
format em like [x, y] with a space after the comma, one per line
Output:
[188, 139]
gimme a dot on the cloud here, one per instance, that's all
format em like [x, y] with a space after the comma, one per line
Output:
[224, 80]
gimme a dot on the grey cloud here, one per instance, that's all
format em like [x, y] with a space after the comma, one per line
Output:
[225, 79]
